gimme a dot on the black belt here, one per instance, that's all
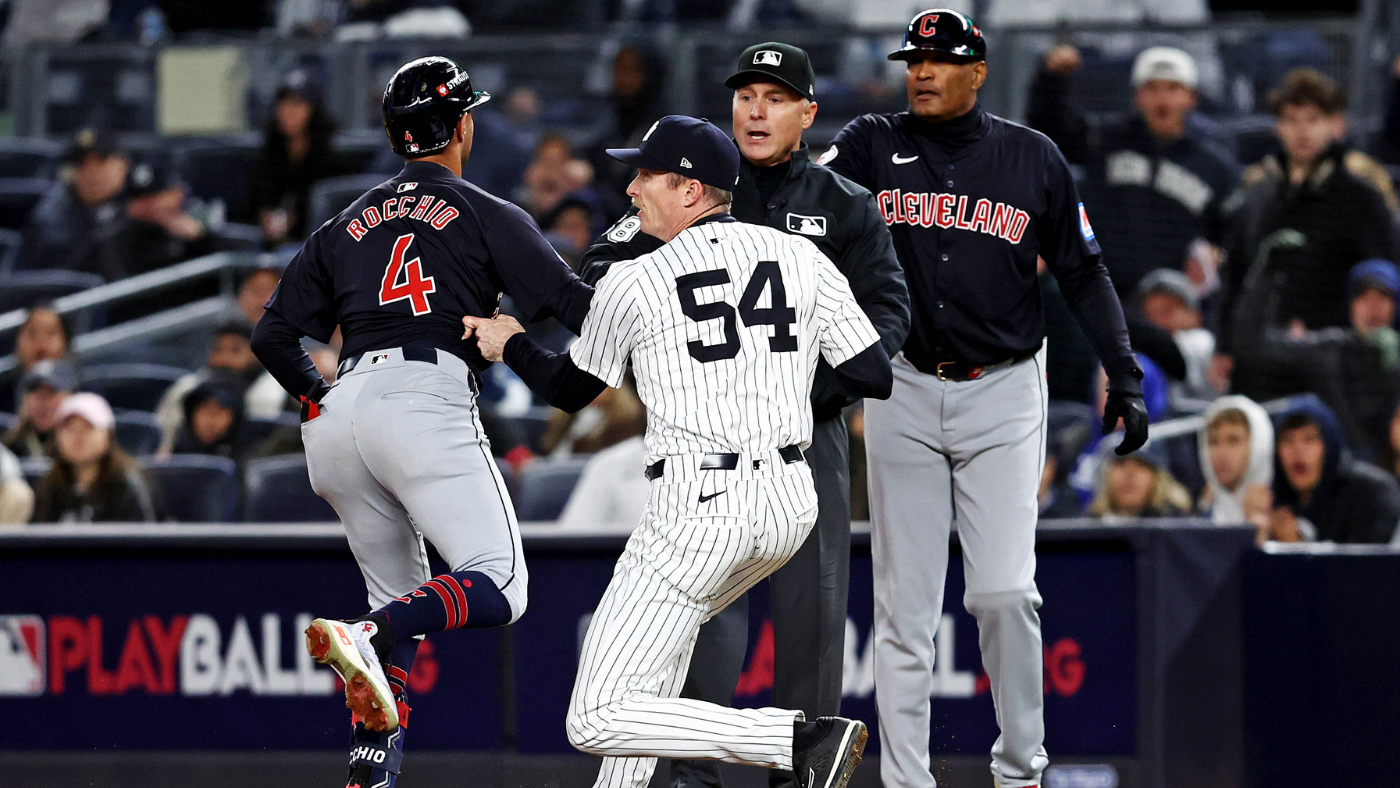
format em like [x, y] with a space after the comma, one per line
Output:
[410, 353]
[960, 371]
[723, 462]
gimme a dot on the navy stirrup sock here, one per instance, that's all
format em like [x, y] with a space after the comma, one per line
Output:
[454, 600]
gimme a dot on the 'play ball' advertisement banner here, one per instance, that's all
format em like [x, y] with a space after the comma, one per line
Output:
[201, 649]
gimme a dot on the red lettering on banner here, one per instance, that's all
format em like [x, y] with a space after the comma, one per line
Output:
[135, 668]
[982, 215]
[1064, 667]
[426, 669]
[958, 220]
[372, 217]
[443, 217]
[759, 675]
[356, 230]
[100, 681]
[68, 647]
[1018, 226]
[166, 644]
[944, 216]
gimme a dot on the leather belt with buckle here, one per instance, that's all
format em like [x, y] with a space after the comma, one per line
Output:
[410, 353]
[722, 462]
[960, 371]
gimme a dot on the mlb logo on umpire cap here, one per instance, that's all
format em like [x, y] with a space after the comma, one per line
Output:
[767, 57]
[22, 660]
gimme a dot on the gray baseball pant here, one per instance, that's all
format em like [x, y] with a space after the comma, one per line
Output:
[974, 448]
[400, 453]
[809, 595]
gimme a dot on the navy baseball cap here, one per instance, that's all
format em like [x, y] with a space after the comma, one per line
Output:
[693, 147]
[942, 30]
[1377, 273]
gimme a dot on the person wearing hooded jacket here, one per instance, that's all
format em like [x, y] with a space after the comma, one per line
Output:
[1321, 492]
[1137, 485]
[1236, 444]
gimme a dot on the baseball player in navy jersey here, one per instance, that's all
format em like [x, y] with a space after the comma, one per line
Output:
[971, 200]
[396, 445]
[773, 102]
[723, 326]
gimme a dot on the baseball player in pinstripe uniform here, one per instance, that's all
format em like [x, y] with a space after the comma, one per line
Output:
[723, 326]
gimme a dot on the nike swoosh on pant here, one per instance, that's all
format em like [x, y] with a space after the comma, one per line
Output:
[704, 498]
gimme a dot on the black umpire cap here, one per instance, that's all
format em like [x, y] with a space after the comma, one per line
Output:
[423, 103]
[942, 30]
[773, 61]
[693, 147]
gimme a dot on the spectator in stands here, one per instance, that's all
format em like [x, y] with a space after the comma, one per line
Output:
[1137, 485]
[92, 480]
[158, 231]
[296, 153]
[570, 227]
[1157, 185]
[1167, 300]
[610, 494]
[72, 228]
[1057, 498]
[1309, 215]
[213, 418]
[1322, 493]
[1085, 477]
[554, 173]
[44, 334]
[617, 414]
[1354, 370]
[637, 97]
[16, 497]
[1390, 457]
[229, 353]
[256, 290]
[45, 387]
[1236, 445]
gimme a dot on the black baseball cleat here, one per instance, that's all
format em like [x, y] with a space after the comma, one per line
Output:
[826, 753]
[359, 651]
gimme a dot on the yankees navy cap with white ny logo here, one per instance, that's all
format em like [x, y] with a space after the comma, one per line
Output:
[775, 62]
[693, 147]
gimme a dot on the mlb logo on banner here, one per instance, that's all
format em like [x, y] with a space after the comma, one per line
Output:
[1084, 227]
[22, 661]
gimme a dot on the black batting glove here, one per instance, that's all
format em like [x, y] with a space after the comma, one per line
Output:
[1125, 402]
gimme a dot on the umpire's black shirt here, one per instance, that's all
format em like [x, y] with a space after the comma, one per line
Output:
[971, 202]
[837, 215]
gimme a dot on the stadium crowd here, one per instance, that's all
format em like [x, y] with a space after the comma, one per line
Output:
[1260, 287]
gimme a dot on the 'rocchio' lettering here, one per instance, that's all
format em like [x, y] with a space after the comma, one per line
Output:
[436, 213]
[925, 209]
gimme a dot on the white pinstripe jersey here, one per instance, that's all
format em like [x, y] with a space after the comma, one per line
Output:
[723, 326]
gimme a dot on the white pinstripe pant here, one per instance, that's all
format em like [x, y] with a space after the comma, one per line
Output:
[686, 561]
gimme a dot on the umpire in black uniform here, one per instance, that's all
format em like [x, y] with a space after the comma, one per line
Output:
[780, 187]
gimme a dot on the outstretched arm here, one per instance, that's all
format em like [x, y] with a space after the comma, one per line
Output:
[551, 375]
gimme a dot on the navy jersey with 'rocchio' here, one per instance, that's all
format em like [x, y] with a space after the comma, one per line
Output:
[971, 203]
[411, 257]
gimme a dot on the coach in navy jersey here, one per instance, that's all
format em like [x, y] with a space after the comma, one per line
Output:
[774, 101]
[396, 446]
[971, 200]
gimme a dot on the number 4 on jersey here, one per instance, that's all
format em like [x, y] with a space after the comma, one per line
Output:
[415, 287]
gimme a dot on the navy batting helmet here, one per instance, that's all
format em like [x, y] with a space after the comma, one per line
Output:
[423, 102]
[942, 30]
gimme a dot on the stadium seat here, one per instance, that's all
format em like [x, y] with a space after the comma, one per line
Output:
[29, 157]
[257, 431]
[357, 150]
[23, 289]
[197, 488]
[545, 486]
[131, 386]
[10, 243]
[278, 490]
[221, 172]
[137, 432]
[18, 198]
[333, 195]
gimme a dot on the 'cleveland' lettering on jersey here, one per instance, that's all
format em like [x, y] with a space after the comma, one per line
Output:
[926, 209]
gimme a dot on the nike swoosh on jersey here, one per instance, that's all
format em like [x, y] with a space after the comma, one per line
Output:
[897, 159]
[712, 496]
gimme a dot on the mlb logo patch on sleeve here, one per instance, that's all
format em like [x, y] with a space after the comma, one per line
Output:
[806, 225]
[1085, 229]
[22, 661]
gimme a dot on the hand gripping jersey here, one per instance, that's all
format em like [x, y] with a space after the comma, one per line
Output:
[723, 326]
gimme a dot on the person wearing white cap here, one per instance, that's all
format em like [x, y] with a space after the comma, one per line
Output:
[92, 479]
[1158, 186]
